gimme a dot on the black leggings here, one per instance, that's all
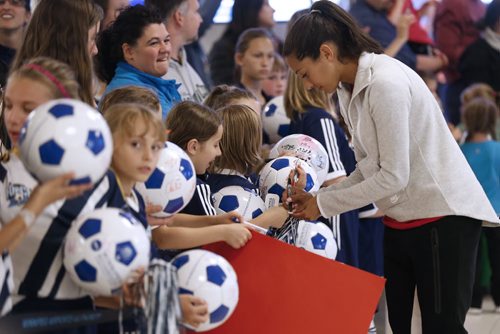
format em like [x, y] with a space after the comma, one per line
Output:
[438, 259]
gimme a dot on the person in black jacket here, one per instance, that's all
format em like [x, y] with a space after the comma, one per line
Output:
[480, 63]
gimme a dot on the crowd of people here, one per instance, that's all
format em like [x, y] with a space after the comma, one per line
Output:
[407, 116]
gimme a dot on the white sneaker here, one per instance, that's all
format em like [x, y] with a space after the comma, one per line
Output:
[475, 311]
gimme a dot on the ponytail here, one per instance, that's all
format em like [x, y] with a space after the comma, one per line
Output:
[327, 22]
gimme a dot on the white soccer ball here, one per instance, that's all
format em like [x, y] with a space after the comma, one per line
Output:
[274, 120]
[209, 276]
[172, 183]
[316, 238]
[103, 248]
[244, 201]
[64, 136]
[273, 177]
[306, 148]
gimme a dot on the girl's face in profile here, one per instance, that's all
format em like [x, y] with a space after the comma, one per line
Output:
[207, 152]
[266, 15]
[21, 96]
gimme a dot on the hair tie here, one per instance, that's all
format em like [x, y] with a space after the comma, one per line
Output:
[315, 11]
[49, 76]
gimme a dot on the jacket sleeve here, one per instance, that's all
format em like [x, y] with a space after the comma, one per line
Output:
[389, 107]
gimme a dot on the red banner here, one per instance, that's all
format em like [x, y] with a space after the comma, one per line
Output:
[284, 289]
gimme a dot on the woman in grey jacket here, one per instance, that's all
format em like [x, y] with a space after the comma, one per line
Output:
[407, 163]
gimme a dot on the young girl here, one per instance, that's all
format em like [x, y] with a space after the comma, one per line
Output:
[131, 94]
[224, 95]
[12, 232]
[197, 130]
[240, 144]
[254, 58]
[275, 83]
[432, 225]
[64, 30]
[134, 158]
[245, 14]
[40, 281]
[482, 151]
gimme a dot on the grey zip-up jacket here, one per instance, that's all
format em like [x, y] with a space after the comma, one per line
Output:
[408, 163]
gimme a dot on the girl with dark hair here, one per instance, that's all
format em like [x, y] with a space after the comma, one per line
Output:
[246, 14]
[432, 225]
[135, 50]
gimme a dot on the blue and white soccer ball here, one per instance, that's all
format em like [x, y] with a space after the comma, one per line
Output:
[103, 248]
[306, 148]
[236, 198]
[274, 120]
[316, 238]
[273, 177]
[64, 136]
[172, 183]
[209, 276]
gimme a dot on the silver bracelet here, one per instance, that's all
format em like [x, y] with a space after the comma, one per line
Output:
[28, 217]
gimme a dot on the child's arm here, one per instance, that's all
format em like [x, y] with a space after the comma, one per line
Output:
[235, 235]
[43, 195]
[187, 220]
[275, 217]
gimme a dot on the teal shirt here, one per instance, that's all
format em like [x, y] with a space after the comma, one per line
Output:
[484, 159]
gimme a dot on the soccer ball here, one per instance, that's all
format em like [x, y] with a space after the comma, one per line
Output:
[210, 277]
[103, 248]
[317, 238]
[274, 120]
[172, 183]
[64, 136]
[273, 177]
[244, 201]
[306, 148]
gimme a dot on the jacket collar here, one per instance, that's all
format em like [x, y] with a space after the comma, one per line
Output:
[158, 81]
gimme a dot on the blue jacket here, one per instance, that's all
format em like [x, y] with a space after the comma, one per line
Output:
[127, 75]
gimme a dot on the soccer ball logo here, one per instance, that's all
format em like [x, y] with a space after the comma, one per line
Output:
[274, 120]
[66, 136]
[273, 178]
[102, 249]
[316, 238]
[306, 148]
[245, 201]
[172, 183]
[210, 277]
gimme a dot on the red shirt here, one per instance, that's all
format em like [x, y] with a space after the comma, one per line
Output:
[393, 223]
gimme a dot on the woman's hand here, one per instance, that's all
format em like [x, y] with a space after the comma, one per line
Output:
[194, 310]
[304, 205]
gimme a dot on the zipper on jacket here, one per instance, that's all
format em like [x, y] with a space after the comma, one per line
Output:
[437, 270]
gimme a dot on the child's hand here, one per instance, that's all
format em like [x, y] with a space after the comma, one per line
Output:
[194, 310]
[157, 221]
[133, 289]
[229, 218]
[236, 235]
[54, 190]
